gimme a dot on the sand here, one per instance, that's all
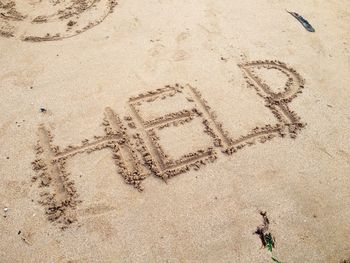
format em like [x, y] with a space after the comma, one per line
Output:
[174, 131]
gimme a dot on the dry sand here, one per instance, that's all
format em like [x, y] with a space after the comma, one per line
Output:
[174, 131]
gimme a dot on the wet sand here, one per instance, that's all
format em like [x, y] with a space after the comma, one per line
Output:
[166, 132]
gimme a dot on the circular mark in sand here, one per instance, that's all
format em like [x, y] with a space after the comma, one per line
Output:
[48, 20]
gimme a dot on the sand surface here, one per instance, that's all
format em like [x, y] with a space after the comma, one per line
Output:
[159, 131]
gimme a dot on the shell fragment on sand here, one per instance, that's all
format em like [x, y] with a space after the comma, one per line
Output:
[303, 21]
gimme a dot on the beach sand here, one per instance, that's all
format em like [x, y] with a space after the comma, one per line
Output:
[171, 131]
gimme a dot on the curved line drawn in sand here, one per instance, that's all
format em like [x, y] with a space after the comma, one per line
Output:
[68, 18]
[138, 151]
[288, 121]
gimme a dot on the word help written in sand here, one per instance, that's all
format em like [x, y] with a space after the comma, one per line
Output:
[137, 142]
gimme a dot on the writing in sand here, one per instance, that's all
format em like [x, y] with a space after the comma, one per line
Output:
[138, 141]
